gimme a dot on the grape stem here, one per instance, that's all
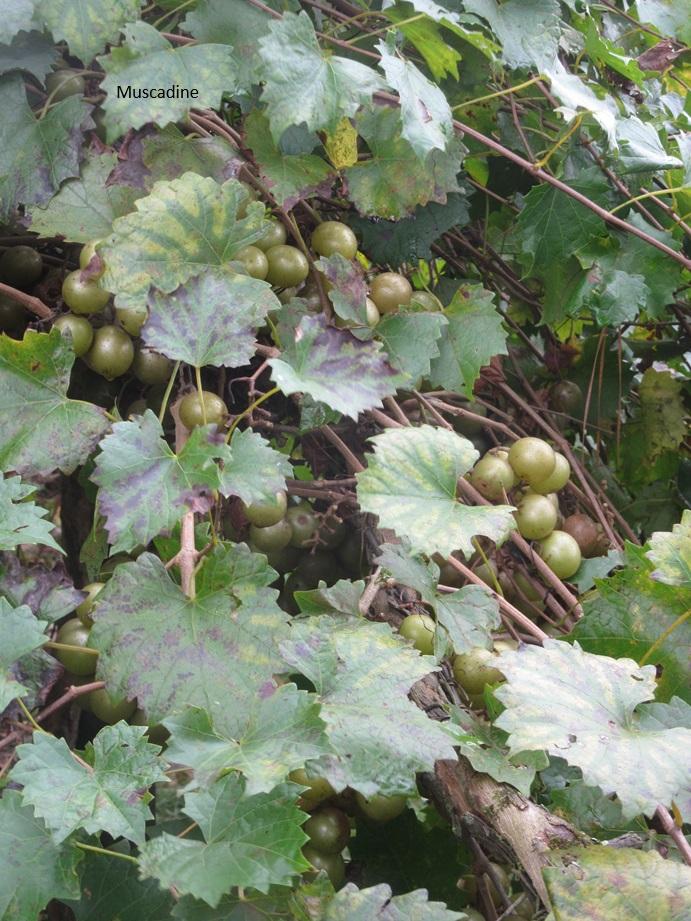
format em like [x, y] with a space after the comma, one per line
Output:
[34, 304]
[670, 827]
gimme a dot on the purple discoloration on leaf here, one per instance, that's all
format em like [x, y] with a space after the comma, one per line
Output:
[349, 291]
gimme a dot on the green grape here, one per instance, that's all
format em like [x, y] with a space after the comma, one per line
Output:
[21, 266]
[79, 661]
[275, 235]
[78, 330]
[131, 318]
[83, 295]
[85, 607]
[254, 260]
[333, 237]
[151, 367]
[111, 352]
[268, 511]
[381, 808]
[419, 629]
[202, 409]
[389, 291]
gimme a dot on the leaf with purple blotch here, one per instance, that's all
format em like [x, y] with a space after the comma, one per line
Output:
[145, 487]
[348, 292]
[333, 367]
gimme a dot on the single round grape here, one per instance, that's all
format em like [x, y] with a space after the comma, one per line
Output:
[425, 300]
[381, 808]
[83, 296]
[111, 352]
[275, 235]
[419, 629]
[331, 864]
[151, 367]
[535, 517]
[587, 533]
[272, 537]
[566, 397]
[389, 291]
[475, 669]
[195, 408]
[557, 479]
[318, 789]
[107, 709]
[492, 475]
[131, 318]
[254, 260]
[333, 237]
[77, 660]
[561, 553]
[13, 317]
[532, 459]
[328, 830]
[303, 524]
[78, 330]
[21, 266]
[287, 266]
[268, 511]
[85, 607]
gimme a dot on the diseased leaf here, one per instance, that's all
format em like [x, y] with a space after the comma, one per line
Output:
[21, 634]
[48, 592]
[303, 84]
[288, 177]
[87, 25]
[145, 487]
[631, 613]
[473, 337]
[671, 554]
[84, 209]
[209, 70]
[410, 484]
[183, 228]
[251, 841]
[36, 155]
[41, 430]
[33, 868]
[255, 471]
[348, 288]
[360, 702]
[270, 734]
[22, 522]
[169, 153]
[103, 794]
[170, 651]
[605, 883]
[379, 904]
[332, 366]
[211, 319]
[601, 736]
[427, 123]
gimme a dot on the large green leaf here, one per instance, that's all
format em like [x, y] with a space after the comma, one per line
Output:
[255, 471]
[207, 69]
[48, 592]
[631, 612]
[17, 16]
[332, 366]
[36, 155]
[528, 30]
[145, 487]
[386, 184]
[473, 337]
[41, 430]
[105, 791]
[33, 868]
[84, 209]
[87, 25]
[113, 891]
[278, 730]
[183, 228]
[412, 341]
[212, 319]
[671, 553]
[288, 177]
[170, 651]
[30, 51]
[302, 84]
[169, 153]
[410, 484]
[249, 841]
[379, 904]
[362, 673]
[601, 734]
[22, 522]
[669, 16]
[608, 883]
[426, 118]
[21, 634]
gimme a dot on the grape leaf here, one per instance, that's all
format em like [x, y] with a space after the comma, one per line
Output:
[263, 737]
[170, 651]
[248, 906]
[607, 883]
[183, 228]
[208, 69]
[410, 484]
[22, 522]
[169, 153]
[427, 37]
[385, 185]
[29, 51]
[528, 30]
[41, 430]
[36, 155]
[48, 592]
[594, 813]
[379, 904]
[671, 553]
[16, 16]
[348, 288]
[209, 320]
[631, 612]
[361, 702]
[474, 335]
[332, 366]
[601, 736]
[84, 209]
[640, 148]
[426, 118]
[104, 792]
[302, 84]
[342, 597]
[249, 841]
[255, 470]
[669, 16]
[87, 27]
[33, 869]
[411, 238]
[145, 487]
[411, 341]
[21, 633]
[288, 177]
[113, 891]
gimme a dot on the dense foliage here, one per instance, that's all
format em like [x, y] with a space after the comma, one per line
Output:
[345, 558]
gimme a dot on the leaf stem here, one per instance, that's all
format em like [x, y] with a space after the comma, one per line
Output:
[387, 28]
[29, 715]
[663, 636]
[200, 391]
[105, 852]
[654, 194]
[506, 92]
[168, 390]
[249, 410]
